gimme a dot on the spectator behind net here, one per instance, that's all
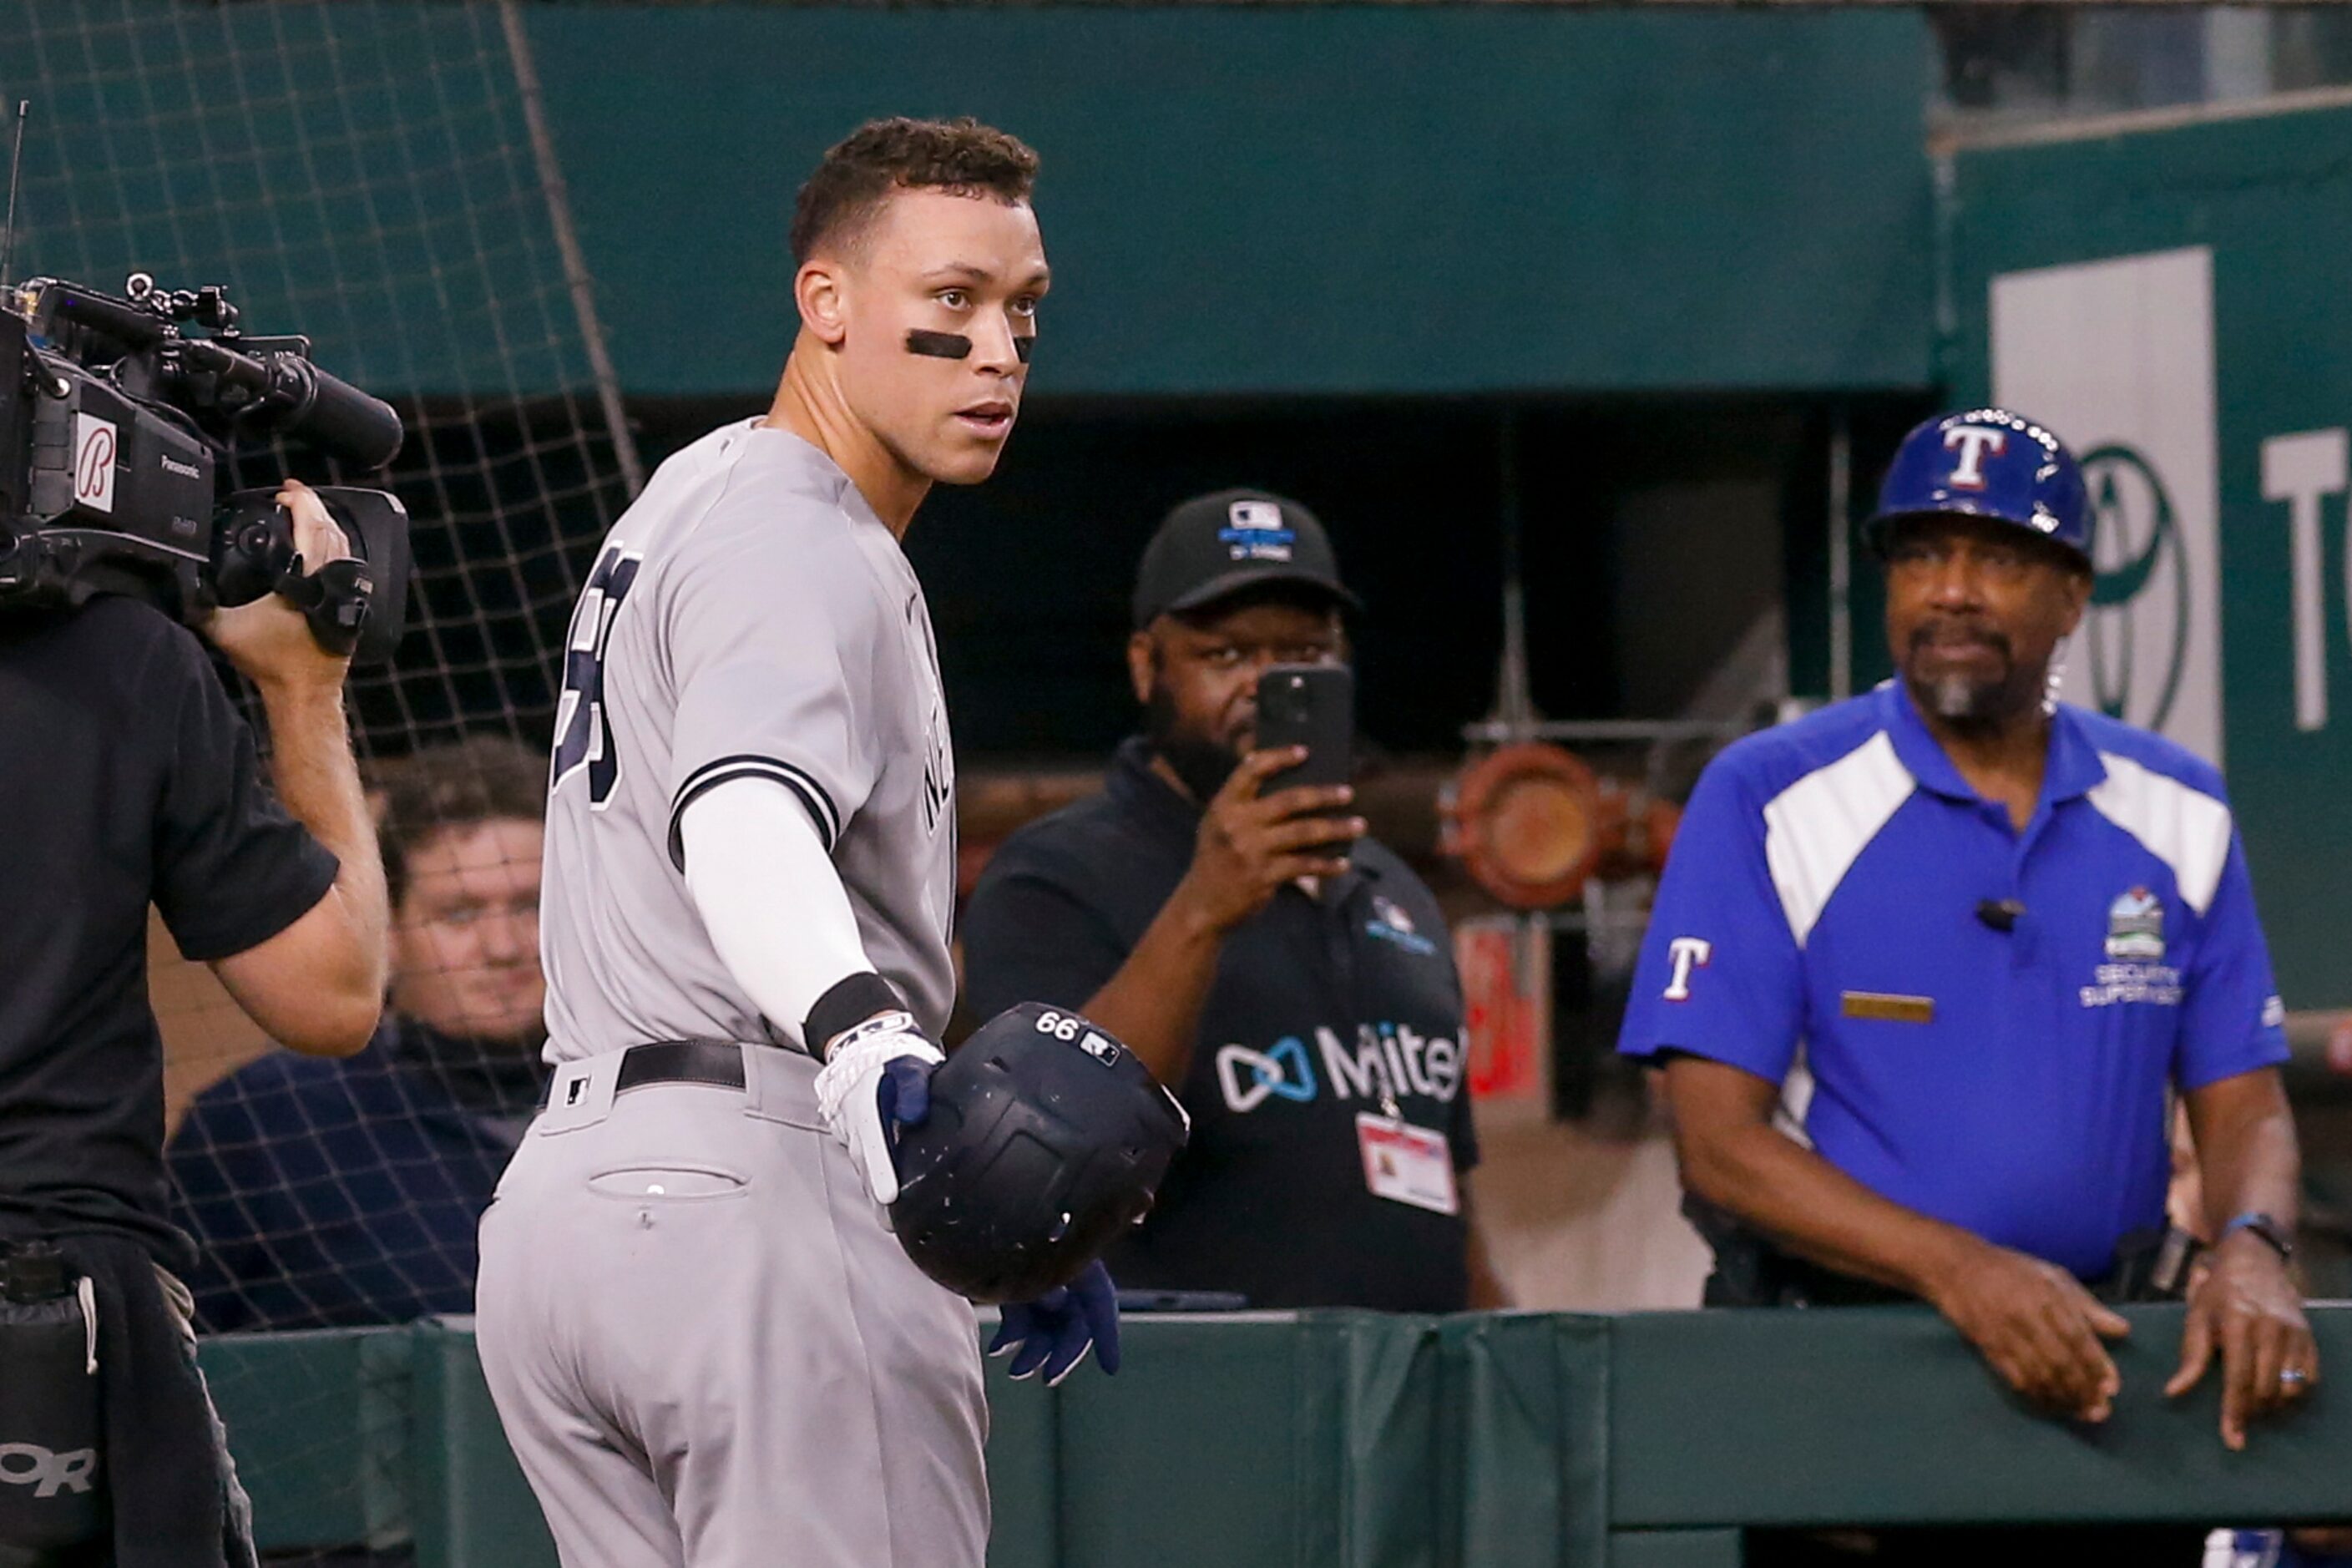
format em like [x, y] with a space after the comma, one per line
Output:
[348, 1192]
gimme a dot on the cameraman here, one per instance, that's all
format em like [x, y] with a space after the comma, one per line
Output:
[128, 778]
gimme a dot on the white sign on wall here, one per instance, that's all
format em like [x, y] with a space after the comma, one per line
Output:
[2116, 356]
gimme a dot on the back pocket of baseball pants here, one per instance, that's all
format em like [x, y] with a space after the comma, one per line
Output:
[668, 1184]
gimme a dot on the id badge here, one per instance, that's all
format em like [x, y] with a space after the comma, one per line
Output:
[1408, 1164]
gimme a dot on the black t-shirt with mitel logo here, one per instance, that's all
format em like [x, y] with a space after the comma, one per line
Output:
[1324, 1008]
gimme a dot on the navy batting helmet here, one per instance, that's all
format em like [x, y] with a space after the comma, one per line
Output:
[1987, 462]
[1046, 1140]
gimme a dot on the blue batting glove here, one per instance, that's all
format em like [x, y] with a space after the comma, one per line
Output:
[904, 1095]
[1055, 1331]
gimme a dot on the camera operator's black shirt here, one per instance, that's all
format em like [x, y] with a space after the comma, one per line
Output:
[126, 778]
[1317, 1004]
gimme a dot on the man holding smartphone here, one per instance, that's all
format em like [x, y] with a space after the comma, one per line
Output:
[1220, 909]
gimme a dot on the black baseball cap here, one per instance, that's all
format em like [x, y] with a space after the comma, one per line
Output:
[1219, 544]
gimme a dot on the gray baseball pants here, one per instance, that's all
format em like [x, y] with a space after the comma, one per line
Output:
[705, 1349]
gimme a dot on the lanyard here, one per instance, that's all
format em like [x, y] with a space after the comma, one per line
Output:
[1336, 940]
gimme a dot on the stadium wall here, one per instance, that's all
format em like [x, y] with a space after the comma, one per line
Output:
[1299, 200]
[1240, 199]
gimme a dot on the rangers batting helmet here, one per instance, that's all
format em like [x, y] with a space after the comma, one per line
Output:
[1046, 1140]
[1987, 462]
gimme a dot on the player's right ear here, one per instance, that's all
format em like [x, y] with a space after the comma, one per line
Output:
[818, 291]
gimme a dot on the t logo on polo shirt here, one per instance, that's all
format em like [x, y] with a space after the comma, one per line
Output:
[1685, 953]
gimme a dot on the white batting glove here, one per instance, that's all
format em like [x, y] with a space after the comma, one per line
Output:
[877, 1079]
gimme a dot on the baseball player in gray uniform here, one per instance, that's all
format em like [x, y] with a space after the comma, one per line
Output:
[705, 1344]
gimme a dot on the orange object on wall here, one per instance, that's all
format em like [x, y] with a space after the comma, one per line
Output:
[1530, 823]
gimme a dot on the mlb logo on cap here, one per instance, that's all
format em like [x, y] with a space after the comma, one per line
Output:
[1254, 532]
[1229, 541]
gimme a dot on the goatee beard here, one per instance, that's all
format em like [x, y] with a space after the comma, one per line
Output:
[1960, 700]
[1967, 704]
[1202, 764]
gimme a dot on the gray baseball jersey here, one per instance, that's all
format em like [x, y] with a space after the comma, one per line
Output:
[747, 617]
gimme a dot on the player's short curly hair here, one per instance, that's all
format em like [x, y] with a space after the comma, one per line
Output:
[484, 778]
[961, 156]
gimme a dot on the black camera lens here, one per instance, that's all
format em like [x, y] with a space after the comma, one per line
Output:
[253, 540]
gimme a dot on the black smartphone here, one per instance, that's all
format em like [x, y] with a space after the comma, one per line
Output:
[1310, 705]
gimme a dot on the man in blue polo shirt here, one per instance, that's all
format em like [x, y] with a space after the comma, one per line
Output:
[1981, 938]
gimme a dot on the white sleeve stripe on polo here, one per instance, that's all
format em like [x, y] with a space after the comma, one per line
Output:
[1816, 828]
[2186, 828]
[1796, 1100]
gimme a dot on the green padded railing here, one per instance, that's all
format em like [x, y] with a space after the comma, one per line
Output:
[1361, 1440]
[319, 1425]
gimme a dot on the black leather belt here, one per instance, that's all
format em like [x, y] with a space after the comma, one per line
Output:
[718, 1063]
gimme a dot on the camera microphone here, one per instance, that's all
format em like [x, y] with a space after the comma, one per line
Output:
[2000, 914]
[119, 319]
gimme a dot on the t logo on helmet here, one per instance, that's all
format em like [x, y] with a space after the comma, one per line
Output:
[1973, 442]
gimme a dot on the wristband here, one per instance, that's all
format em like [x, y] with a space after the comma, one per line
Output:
[847, 1004]
[880, 1024]
[2267, 1229]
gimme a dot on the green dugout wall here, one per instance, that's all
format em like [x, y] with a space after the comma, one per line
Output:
[1361, 1440]
[2170, 297]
